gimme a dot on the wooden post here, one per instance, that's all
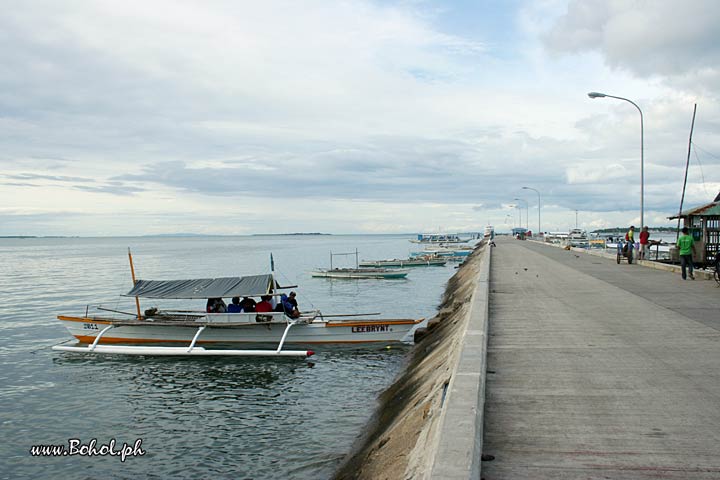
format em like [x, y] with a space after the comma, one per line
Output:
[132, 272]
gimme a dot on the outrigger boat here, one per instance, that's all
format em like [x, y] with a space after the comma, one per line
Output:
[104, 333]
[386, 273]
[438, 238]
[424, 261]
[446, 251]
[357, 272]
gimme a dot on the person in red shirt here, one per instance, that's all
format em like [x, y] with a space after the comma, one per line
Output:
[264, 306]
[644, 243]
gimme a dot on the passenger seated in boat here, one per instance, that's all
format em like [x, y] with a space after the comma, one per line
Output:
[248, 304]
[289, 305]
[235, 306]
[215, 305]
[264, 306]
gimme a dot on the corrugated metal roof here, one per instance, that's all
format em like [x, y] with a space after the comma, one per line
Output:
[706, 210]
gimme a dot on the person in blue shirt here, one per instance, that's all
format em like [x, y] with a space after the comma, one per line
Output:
[235, 307]
[289, 305]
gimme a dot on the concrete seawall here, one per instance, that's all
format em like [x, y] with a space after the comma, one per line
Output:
[429, 424]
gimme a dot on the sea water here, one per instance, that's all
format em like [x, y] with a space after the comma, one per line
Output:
[190, 417]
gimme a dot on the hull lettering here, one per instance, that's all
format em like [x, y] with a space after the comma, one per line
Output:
[371, 328]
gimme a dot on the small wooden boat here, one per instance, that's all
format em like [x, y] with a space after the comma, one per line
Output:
[357, 272]
[423, 261]
[446, 251]
[154, 332]
[387, 273]
[437, 238]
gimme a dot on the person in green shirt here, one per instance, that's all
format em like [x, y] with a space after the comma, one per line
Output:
[686, 247]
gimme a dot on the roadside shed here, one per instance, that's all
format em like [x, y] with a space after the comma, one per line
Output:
[704, 225]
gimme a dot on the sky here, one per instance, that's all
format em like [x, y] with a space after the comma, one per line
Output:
[236, 117]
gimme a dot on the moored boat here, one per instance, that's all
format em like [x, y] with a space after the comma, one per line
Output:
[153, 332]
[438, 238]
[421, 261]
[357, 272]
[387, 273]
[446, 251]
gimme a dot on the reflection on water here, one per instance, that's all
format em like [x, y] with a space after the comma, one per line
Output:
[197, 417]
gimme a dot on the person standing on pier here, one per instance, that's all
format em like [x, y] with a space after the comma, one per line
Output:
[630, 242]
[686, 247]
[644, 243]
[630, 235]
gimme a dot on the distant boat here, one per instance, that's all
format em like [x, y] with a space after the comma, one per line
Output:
[577, 234]
[446, 251]
[489, 232]
[387, 273]
[424, 261]
[438, 238]
[357, 272]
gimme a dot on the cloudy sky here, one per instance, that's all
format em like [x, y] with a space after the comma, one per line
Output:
[233, 117]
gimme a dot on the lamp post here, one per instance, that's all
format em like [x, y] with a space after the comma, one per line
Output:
[519, 214]
[538, 194]
[527, 213]
[642, 151]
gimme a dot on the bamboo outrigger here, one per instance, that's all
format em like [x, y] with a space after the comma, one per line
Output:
[148, 334]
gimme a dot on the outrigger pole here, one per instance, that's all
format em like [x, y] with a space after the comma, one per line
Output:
[132, 272]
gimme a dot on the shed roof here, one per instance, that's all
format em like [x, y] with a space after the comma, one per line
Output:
[709, 210]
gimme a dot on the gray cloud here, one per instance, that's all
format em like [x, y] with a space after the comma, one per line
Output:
[349, 101]
[646, 37]
[54, 178]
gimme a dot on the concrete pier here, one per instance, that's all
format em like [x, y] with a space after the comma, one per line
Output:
[599, 370]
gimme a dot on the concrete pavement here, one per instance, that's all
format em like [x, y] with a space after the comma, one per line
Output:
[599, 370]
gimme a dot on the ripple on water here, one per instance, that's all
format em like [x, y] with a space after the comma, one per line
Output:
[197, 417]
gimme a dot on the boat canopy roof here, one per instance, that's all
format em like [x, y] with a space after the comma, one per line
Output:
[251, 286]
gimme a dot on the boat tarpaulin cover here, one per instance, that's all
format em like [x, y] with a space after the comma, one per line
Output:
[251, 286]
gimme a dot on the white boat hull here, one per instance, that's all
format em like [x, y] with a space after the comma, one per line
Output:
[404, 263]
[317, 332]
[361, 273]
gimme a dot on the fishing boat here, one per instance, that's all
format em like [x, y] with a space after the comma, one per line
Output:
[386, 273]
[577, 234]
[157, 332]
[421, 261]
[357, 272]
[438, 238]
[446, 251]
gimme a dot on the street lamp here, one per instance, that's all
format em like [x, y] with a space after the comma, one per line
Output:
[519, 214]
[527, 213]
[642, 152]
[538, 194]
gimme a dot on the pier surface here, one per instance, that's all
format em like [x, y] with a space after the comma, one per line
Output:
[598, 370]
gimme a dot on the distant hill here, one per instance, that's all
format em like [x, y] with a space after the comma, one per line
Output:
[296, 233]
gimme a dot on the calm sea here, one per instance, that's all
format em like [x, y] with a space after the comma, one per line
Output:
[195, 417]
